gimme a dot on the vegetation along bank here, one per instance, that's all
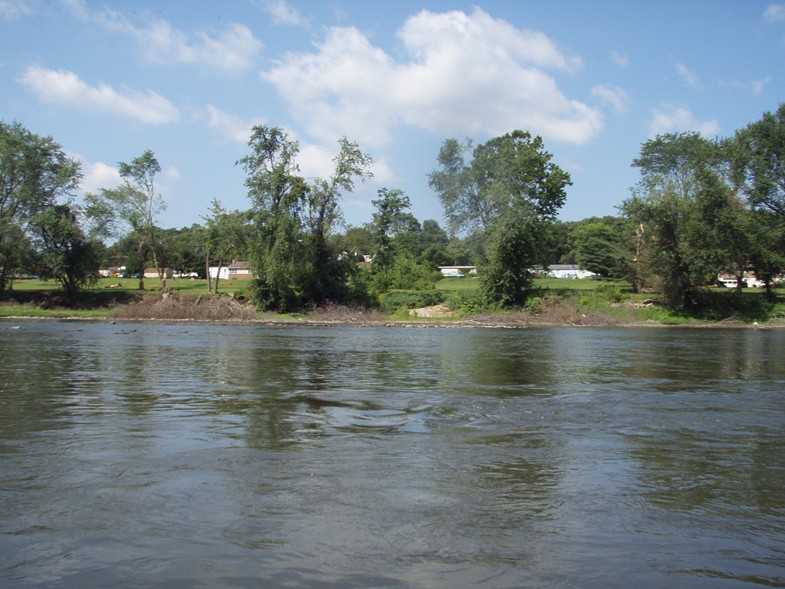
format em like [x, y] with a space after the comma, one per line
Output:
[700, 239]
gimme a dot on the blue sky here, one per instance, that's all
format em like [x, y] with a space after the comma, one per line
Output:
[188, 78]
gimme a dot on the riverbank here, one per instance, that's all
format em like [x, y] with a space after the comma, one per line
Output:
[556, 312]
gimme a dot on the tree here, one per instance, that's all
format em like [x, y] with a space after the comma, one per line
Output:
[65, 253]
[676, 205]
[225, 237]
[600, 247]
[511, 191]
[391, 207]
[519, 242]
[433, 242]
[34, 173]
[134, 206]
[324, 214]
[294, 260]
[277, 194]
[506, 171]
[759, 163]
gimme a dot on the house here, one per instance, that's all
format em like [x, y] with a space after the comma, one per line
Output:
[749, 280]
[457, 271]
[572, 271]
[153, 272]
[238, 270]
[241, 270]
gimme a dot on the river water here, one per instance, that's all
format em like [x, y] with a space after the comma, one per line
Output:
[205, 455]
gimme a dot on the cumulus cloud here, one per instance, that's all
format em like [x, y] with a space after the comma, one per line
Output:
[67, 89]
[672, 118]
[774, 13]
[283, 13]
[230, 126]
[612, 96]
[689, 76]
[232, 49]
[462, 74]
[97, 175]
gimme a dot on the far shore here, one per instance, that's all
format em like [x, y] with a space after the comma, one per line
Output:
[360, 320]
[175, 307]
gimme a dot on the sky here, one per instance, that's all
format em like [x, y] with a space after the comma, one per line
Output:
[188, 79]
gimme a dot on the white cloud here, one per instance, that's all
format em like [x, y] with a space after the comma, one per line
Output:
[689, 76]
[774, 13]
[14, 9]
[466, 74]
[232, 49]
[612, 96]
[229, 126]
[283, 13]
[97, 175]
[672, 118]
[77, 8]
[65, 88]
[620, 59]
[759, 85]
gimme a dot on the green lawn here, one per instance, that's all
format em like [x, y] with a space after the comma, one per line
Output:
[185, 285]
[470, 283]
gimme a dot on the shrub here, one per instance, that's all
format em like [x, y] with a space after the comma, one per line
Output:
[395, 300]
[467, 302]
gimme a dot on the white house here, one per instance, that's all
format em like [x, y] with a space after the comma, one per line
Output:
[457, 271]
[568, 271]
[238, 270]
[153, 272]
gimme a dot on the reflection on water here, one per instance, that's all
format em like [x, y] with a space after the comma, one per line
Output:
[139, 455]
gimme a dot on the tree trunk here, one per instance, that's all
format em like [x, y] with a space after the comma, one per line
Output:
[218, 274]
[207, 272]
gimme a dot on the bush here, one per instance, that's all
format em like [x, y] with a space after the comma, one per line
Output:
[395, 300]
[467, 302]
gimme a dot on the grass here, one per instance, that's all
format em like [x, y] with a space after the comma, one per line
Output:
[559, 299]
[182, 285]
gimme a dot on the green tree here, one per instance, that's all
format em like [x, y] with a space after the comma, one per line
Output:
[505, 171]
[433, 242]
[391, 213]
[132, 208]
[600, 246]
[226, 238]
[65, 253]
[355, 242]
[279, 259]
[184, 249]
[520, 240]
[676, 205]
[329, 270]
[511, 191]
[759, 163]
[34, 173]
[295, 262]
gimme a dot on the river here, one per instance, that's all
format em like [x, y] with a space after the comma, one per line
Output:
[207, 455]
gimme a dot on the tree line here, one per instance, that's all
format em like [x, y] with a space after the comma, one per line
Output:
[702, 207]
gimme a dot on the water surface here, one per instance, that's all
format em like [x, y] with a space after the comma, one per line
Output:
[143, 455]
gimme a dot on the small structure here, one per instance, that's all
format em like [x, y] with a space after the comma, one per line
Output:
[457, 271]
[153, 272]
[749, 280]
[239, 270]
[572, 271]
